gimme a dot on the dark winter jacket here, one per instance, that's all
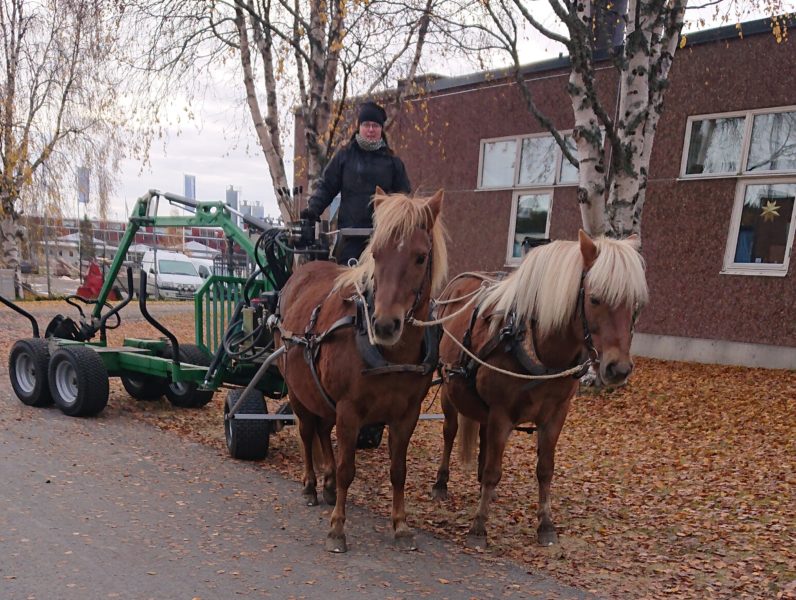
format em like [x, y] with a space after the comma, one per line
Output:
[354, 174]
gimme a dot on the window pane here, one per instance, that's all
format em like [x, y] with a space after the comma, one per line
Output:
[499, 159]
[532, 213]
[538, 160]
[569, 173]
[715, 146]
[773, 143]
[765, 223]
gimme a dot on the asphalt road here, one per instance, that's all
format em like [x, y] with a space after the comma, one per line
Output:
[111, 507]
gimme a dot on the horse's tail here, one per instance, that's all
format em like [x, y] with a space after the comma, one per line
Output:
[468, 440]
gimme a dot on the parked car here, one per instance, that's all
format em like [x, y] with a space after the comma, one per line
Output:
[174, 277]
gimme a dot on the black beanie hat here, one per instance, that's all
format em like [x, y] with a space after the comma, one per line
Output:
[370, 111]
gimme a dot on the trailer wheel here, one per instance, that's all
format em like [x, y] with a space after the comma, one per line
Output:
[247, 439]
[27, 369]
[186, 394]
[145, 387]
[78, 381]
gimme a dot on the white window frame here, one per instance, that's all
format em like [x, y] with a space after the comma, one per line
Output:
[746, 141]
[730, 267]
[517, 152]
[512, 260]
[517, 157]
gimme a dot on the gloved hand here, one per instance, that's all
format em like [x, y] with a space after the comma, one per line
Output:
[308, 214]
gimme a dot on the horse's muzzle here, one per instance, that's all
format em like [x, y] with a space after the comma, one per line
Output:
[387, 330]
[614, 373]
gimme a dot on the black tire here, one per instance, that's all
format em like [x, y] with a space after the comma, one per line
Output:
[145, 387]
[78, 381]
[187, 395]
[370, 436]
[247, 439]
[27, 369]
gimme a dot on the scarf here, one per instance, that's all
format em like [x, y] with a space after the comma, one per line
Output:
[369, 146]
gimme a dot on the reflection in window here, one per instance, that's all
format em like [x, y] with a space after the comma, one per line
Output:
[498, 168]
[538, 160]
[715, 146]
[765, 224]
[773, 145]
[533, 211]
[569, 172]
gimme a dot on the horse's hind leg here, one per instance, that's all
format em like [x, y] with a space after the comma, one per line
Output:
[308, 434]
[498, 431]
[400, 432]
[439, 491]
[346, 469]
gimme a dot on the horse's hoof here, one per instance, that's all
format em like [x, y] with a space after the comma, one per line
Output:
[547, 537]
[336, 544]
[405, 540]
[329, 497]
[310, 499]
[476, 542]
[439, 492]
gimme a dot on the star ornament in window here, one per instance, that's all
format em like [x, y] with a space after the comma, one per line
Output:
[770, 211]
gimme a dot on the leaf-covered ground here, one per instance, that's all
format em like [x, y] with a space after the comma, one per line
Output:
[682, 484]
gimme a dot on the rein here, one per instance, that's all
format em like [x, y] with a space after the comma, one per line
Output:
[577, 371]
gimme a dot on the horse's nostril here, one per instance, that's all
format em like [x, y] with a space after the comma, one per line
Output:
[618, 370]
[396, 324]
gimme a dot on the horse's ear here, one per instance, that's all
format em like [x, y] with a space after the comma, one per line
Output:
[588, 249]
[378, 196]
[634, 240]
[435, 204]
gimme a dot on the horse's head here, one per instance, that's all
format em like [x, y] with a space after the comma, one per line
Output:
[404, 250]
[613, 290]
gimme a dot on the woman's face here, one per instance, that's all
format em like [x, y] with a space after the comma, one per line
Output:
[370, 130]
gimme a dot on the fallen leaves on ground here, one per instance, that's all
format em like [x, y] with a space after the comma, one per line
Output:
[681, 484]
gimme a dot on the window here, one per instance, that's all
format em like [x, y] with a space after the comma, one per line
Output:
[773, 146]
[755, 143]
[498, 161]
[715, 146]
[532, 165]
[525, 161]
[758, 147]
[761, 231]
[530, 218]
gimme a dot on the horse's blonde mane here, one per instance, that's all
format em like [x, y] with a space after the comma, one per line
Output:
[545, 286]
[396, 216]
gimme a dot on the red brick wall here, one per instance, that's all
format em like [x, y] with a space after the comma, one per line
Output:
[685, 223]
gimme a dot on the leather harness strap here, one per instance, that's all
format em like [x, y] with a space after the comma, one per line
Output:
[374, 360]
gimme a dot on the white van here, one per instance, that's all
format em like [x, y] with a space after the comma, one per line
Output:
[175, 276]
[204, 266]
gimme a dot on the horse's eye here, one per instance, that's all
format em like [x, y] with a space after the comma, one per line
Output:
[594, 301]
[420, 259]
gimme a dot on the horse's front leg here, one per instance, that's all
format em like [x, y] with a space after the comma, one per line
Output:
[307, 432]
[400, 433]
[545, 462]
[346, 469]
[450, 427]
[498, 430]
[329, 479]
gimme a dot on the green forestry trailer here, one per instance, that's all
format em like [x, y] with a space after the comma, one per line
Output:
[72, 363]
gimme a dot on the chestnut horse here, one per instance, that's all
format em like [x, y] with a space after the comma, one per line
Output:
[568, 305]
[403, 265]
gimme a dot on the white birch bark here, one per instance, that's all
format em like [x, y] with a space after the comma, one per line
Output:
[272, 157]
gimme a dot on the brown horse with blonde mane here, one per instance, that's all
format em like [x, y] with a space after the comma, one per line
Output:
[516, 356]
[329, 381]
